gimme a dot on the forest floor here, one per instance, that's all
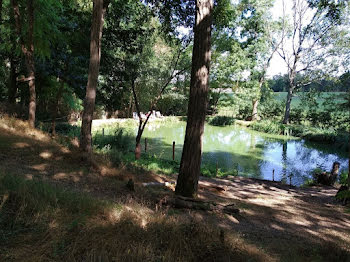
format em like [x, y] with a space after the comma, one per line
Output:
[275, 222]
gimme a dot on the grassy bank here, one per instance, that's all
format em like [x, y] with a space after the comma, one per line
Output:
[339, 139]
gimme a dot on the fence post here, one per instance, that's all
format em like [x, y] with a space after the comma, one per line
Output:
[273, 175]
[173, 150]
[290, 180]
[103, 132]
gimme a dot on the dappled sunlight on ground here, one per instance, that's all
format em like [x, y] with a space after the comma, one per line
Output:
[311, 214]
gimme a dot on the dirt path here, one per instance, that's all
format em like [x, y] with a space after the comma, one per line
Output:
[283, 220]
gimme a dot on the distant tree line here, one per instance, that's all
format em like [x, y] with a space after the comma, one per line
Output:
[279, 83]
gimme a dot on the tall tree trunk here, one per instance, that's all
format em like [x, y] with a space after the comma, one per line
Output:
[255, 115]
[130, 107]
[28, 51]
[291, 75]
[12, 89]
[0, 14]
[187, 182]
[99, 11]
[288, 103]
[55, 108]
[349, 168]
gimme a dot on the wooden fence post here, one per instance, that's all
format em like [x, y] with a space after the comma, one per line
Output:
[273, 175]
[173, 150]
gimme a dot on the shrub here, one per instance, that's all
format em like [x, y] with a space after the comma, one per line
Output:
[221, 121]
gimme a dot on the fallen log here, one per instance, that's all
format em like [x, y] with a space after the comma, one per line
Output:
[167, 184]
[199, 204]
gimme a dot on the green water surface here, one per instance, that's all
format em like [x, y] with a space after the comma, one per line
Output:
[253, 154]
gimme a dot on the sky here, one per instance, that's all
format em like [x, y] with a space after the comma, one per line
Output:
[277, 64]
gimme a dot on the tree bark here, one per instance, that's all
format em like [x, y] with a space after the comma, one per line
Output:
[187, 182]
[99, 10]
[28, 51]
[349, 168]
[12, 89]
[255, 115]
[288, 103]
[0, 14]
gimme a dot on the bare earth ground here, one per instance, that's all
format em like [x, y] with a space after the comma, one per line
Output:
[280, 219]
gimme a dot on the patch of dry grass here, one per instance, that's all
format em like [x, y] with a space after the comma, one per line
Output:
[39, 222]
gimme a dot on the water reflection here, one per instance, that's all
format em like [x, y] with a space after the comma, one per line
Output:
[253, 154]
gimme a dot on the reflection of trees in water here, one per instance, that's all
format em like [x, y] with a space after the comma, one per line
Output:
[254, 155]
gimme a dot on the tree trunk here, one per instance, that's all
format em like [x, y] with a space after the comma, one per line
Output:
[138, 147]
[288, 103]
[349, 168]
[28, 52]
[55, 108]
[255, 115]
[0, 14]
[99, 10]
[12, 90]
[187, 182]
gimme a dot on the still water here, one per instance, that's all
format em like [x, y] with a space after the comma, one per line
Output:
[253, 154]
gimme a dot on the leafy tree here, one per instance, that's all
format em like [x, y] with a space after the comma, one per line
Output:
[144, 61]
[307, 43]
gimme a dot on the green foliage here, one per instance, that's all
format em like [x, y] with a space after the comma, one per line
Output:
[343, 178]
[173, 104]
[268, 126]
[116, 139]
[62, 128]
[221, 121]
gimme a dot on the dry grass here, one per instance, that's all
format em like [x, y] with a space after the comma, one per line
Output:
[50, 224]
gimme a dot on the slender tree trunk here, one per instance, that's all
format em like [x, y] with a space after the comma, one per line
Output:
[12, 89]
[130, 107]
[0, 15]
[55, 108]
[349, 168]
[255, 115]
[187, 182]
[288, 103]
[99, 10]
[28, 52]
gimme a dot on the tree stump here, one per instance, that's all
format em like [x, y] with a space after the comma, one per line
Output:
[328, 179]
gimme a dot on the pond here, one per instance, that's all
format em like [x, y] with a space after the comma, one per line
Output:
[252, 154]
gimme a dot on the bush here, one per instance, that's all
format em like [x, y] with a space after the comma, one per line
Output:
[268, 126]
[221, 121]
[173, 104]
[121, 140]
[62, 128]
